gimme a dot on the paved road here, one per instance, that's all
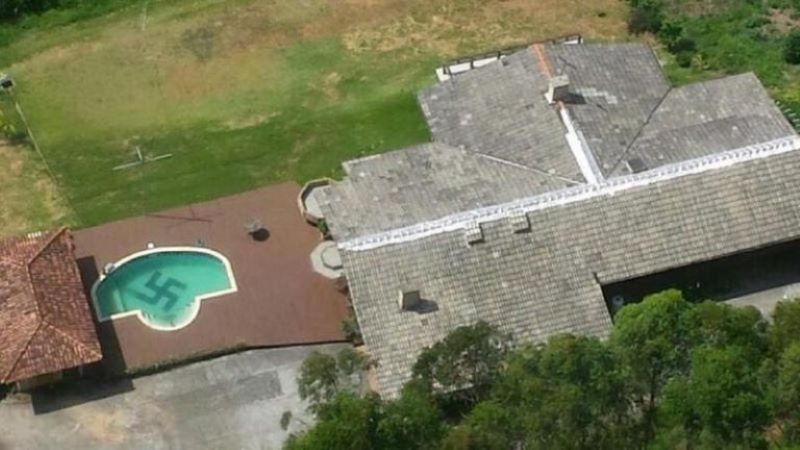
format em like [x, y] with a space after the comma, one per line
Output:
[231, 402]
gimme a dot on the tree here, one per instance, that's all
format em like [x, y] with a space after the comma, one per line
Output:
[672, 375]
[412, 421]
[719, 403]
[465, 364]
[491, 425]
[786, 327]
[719, 325]
[345, 422]
[322, 376]
[788, 408]
[791, 52]
[652, 341]
[565, 394]
[645, 16]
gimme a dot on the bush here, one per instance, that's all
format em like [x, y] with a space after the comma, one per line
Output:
[684, 59]
[351, 330]
[792, 50]
[13, 9]
[643, 19]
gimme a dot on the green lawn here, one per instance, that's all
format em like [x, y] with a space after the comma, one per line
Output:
[736, 36]
[244, 93]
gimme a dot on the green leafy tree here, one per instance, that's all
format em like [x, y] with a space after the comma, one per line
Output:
[652, 341]
[492, 425]
[322, 376]
[413, 421]
[567, 394]
[720, 403]
[344, 422]
[464, 365]
[786, 328]
[788, 400]
[720, 325]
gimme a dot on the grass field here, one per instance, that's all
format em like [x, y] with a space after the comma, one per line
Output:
[30, 200]
[243, 93]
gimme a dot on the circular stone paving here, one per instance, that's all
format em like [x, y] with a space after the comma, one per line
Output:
[326, 260]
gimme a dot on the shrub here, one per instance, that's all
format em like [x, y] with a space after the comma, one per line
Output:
[643, 19]
[792, 50]
[684, 59]
[351, 330]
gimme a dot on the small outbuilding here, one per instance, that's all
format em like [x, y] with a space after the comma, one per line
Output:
[46, 327]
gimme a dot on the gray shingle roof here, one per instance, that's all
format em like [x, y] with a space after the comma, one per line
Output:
[705, 118]
[488, 223]
[422, 183]
[617, 87]
[500, 110]
[546, 281]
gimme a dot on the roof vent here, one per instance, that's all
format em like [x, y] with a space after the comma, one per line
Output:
[520, 223]
[559, 89]
[408, 299]
[473, 234]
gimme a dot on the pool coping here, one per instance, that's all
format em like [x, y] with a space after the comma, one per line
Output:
[198, 299]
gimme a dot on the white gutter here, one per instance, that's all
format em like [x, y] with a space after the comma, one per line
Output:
[573, 194]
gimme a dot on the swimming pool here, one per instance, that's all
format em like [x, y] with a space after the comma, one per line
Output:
[163, 286]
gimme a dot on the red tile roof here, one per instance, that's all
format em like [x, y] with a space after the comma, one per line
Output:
[45, 321]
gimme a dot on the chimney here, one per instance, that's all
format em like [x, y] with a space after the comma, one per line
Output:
[520, 223]
[408, 299]
[559, 89]
[473, 234]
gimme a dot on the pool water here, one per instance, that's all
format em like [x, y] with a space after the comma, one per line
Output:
[162, 287]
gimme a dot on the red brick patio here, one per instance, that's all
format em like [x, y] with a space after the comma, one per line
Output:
[281, 300]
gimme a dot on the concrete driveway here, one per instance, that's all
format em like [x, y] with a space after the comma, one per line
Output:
[231, 402]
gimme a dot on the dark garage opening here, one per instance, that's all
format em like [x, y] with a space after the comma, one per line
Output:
[722, 279]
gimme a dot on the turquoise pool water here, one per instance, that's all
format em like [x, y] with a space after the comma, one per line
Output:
[163, 287]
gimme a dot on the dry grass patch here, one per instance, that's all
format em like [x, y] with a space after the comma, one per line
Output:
[784, 20]
[450, 28]
[30, 199]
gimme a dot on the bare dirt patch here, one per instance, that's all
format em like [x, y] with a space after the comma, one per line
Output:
[783, 20]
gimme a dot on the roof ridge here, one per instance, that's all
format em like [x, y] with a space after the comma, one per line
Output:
[45, 243]
[72, 338]
[525, 167]
[574, 194]
[43, 320]
[23, 351]
[639, 132]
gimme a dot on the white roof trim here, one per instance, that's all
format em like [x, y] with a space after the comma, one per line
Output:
[573, 194]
